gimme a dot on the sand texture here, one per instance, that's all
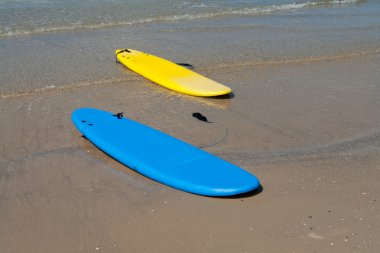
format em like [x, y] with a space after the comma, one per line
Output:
[310, 131]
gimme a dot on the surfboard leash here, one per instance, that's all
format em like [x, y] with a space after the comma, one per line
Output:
[200, 117]
[219, 141]
[121, 51]
[203, 118]
[119, 115]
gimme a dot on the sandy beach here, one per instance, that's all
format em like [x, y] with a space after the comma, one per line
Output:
[305, 122]
[319, 171]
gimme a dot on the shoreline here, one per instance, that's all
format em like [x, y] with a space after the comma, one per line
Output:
[129, 76]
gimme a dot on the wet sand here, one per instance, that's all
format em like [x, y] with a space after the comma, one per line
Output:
[309, 130]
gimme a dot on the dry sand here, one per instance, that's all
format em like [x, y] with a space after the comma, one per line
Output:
[310, 131]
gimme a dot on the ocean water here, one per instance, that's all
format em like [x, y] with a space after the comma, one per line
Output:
[20, 17]
[64, 43]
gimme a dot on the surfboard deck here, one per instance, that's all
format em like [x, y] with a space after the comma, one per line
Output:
[162, 157]
[169, 74]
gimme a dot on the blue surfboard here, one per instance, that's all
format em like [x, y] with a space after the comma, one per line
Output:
[162, 157]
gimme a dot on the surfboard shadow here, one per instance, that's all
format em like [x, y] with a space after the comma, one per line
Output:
[186, 65]
[227, 96]
[249, 194]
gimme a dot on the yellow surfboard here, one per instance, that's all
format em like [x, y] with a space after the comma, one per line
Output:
[169, 74]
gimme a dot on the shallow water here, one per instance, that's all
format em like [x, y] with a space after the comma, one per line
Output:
[36, 16]
[48, 53]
